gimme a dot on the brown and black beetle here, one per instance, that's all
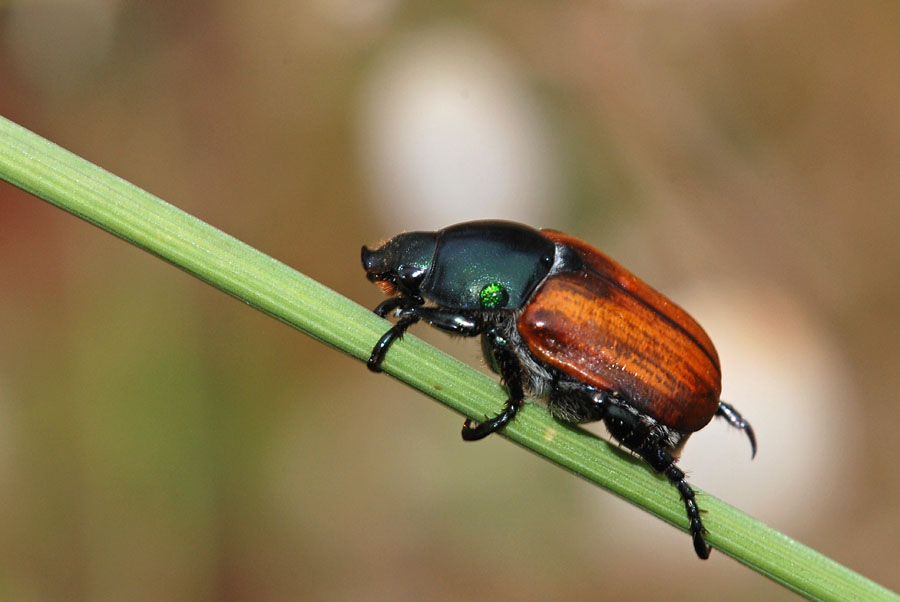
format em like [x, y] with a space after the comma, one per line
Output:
[563, 323]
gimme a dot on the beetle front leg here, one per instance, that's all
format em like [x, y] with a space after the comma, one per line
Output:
[408, 316]
[453, 322]
[511, 371]
[387, 339]
[446, 320]
[389, 305]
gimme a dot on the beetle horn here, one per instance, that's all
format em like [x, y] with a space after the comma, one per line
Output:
[409, 251]
[369, 261]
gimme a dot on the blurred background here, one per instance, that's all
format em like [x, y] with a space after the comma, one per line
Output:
[162, 441]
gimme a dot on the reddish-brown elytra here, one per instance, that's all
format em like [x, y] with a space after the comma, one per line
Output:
[612, 331]
[564, 323]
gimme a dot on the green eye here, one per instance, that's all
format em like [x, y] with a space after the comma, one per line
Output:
[493, 295]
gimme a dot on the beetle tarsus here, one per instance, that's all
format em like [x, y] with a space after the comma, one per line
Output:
[387, 339]
[700, 546]
[386, 307]
[676, 476]
[734, 418]
[483, 429]
[508, 365]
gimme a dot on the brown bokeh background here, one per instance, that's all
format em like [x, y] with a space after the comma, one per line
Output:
[161, 441]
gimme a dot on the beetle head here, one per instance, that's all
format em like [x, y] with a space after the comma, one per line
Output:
[401, 264]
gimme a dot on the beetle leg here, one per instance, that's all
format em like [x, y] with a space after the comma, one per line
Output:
[574, 402]
[450, 321]
[734, 418]
[511, 371]
[409, 307]
[387, 339]
[662, 461]
[389, 305]
[446, 320]
[649, 441]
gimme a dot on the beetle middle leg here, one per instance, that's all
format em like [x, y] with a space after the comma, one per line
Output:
[653, 442]
[504, 360]
[572, 401]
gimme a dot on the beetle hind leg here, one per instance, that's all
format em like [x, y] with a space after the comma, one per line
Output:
[661, 457]
[653, 442]
[734, 418]
[661, 460]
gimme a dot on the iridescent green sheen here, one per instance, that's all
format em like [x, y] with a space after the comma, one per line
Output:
[494, 295]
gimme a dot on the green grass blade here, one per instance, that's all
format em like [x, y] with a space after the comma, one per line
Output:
[83, 189]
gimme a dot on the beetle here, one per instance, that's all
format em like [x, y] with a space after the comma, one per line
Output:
[565, 324]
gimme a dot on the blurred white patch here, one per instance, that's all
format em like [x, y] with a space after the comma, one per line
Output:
[54, 42]
[786, 375]
[448, 132]
[784, 372]
[356, 14]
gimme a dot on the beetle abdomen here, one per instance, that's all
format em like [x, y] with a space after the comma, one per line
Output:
[608, 329]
